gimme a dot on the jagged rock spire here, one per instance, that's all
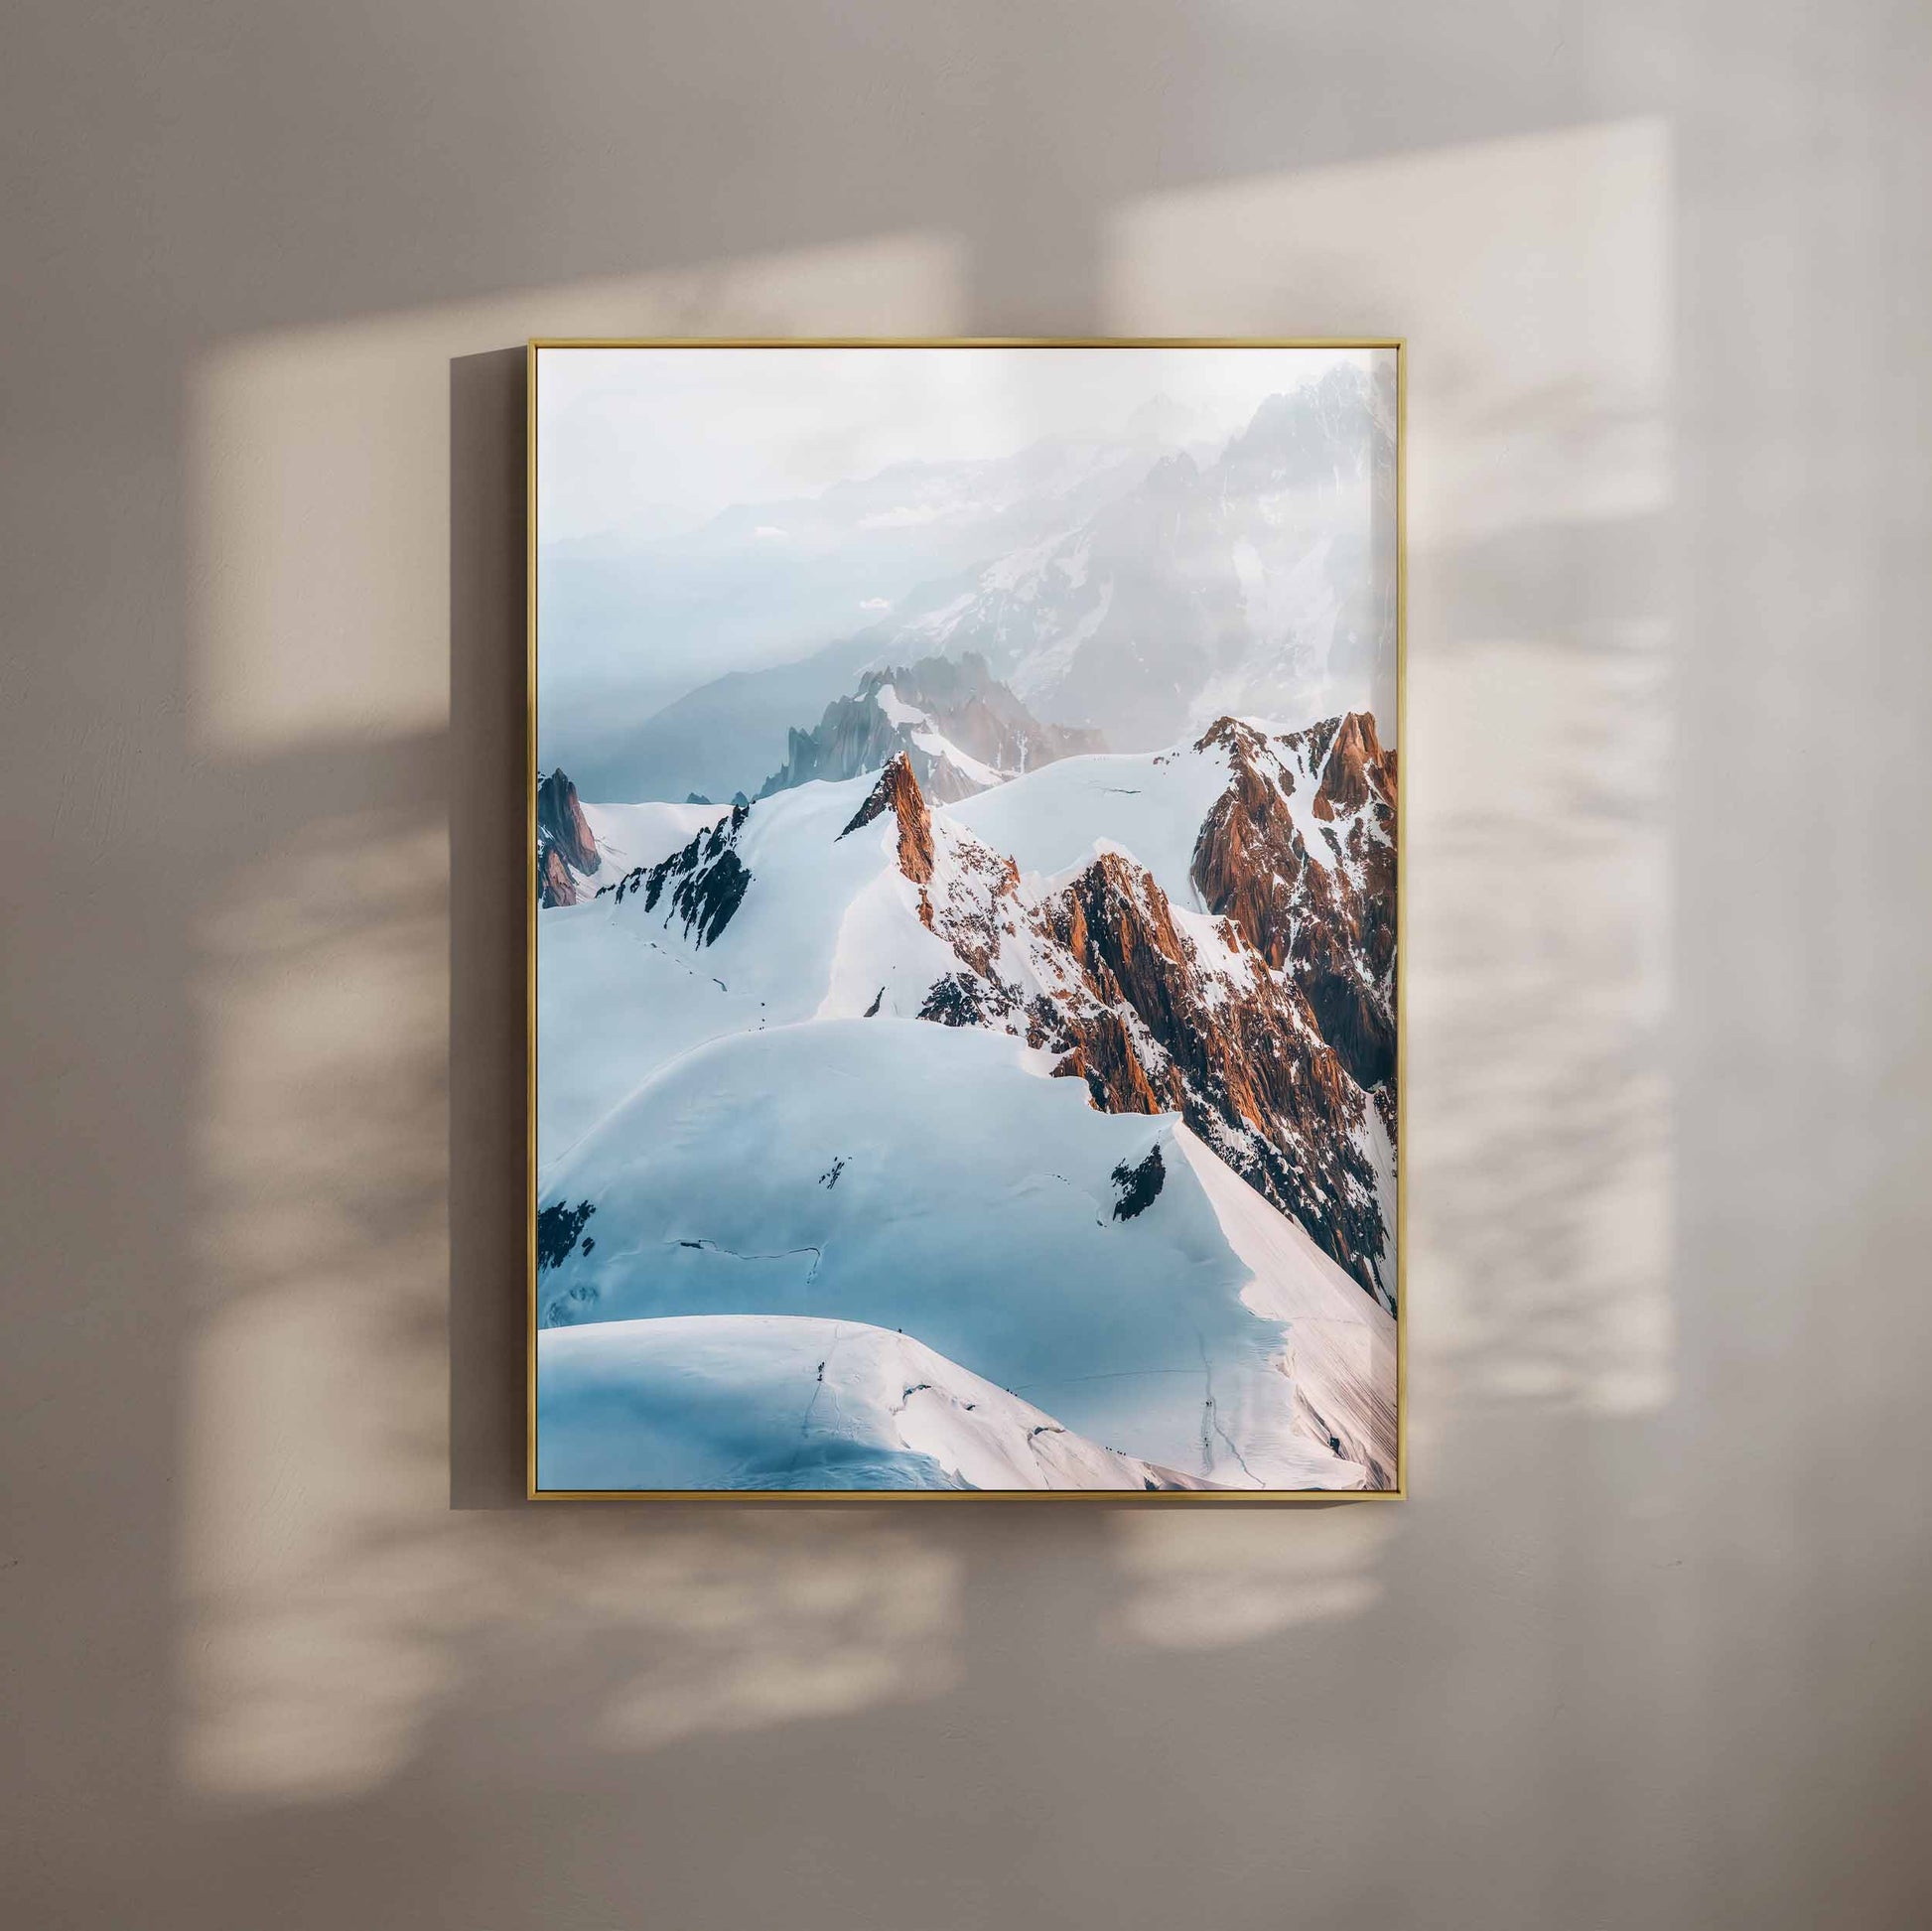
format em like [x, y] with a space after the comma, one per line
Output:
[566, 849]
[898, 791]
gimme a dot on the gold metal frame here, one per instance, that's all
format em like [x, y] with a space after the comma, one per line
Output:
[1187, 1498]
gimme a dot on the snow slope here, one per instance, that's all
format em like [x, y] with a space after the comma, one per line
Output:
[1340, 1349]
[761, 1401]
[909, 1176]
[1147, 803]
[629, 835]
[622, 990]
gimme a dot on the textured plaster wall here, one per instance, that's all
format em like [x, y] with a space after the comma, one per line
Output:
[1648, 1646]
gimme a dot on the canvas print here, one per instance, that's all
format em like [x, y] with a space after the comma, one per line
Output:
[965, 901]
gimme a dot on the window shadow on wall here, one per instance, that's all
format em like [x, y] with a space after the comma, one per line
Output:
[374, 1621]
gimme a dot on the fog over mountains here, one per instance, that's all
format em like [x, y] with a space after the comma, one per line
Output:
[1138, 588]
[960, 729]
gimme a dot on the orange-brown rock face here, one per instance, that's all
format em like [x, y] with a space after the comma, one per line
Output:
[1230, 1047]
[565, 846]
[1272, 1033]
[1327, 916]
[898, 791]
[1248, 855]
[555, 886]
[1105, 1058]
[1355, 771]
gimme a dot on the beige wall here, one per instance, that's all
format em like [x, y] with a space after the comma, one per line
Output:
[1647, 1647]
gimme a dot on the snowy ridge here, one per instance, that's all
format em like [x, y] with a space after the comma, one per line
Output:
[764, 1401]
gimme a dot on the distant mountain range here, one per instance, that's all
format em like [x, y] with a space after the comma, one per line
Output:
[1244, 586]
[773, 588]
[1116, 589]
[961, 729]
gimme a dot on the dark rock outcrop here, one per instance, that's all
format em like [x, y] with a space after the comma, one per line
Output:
[706, 881]
[566, 849]
[558, 1227]
[1138, 1187]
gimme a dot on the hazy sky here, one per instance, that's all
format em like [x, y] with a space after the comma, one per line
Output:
[625, 435]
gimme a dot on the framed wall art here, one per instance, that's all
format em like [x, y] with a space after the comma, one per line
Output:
[965, 906]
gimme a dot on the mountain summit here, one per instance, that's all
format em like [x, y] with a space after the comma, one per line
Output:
[566, 849]
[959, 728]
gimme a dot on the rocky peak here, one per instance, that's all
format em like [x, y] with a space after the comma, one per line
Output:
[1173, 475]
[1159, 1024]
[1248, 854]
[566, 849]
[1310, 435]
[1357, 769]
[961, 728]
[707, 880]
[942, 683]
[1325, 916]
[1116, 923]
[1104, 975]
[1243, 739]
[898, 791]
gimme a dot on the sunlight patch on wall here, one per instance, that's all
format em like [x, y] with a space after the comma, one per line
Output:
[1207, 1581]
[318, 1599]
[338, 1620]
[319, 472]
[1531, 278]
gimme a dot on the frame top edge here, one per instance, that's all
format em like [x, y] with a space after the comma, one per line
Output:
[1396, 342]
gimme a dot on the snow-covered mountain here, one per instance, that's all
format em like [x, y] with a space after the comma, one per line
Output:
[797, 593]
[1289, 835]
[1244, 979]
[1243, 587]
[960, 728]
[582, 847]
[1059, 1075]
[1142, 589]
